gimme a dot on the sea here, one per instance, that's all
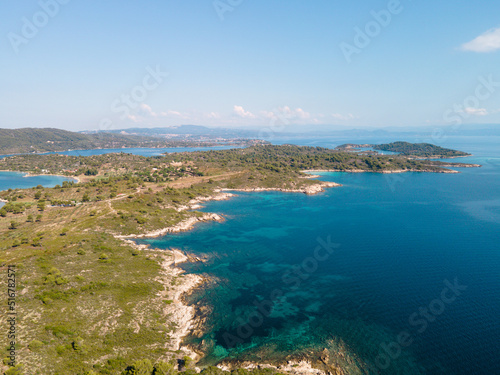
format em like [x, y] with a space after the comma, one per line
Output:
[19, 180]
[143, 151]
[389, 273]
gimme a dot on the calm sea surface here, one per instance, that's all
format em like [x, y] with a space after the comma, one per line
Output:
[413, 256]
[135, 151]
[17, 180]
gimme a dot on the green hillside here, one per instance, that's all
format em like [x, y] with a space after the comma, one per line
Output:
[37, 140]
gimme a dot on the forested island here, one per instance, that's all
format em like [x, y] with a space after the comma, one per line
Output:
[419, 150]
[92, 301]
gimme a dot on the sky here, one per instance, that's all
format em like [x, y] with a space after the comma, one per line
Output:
[97, 65]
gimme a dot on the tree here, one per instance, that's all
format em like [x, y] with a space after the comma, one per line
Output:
[13, 225]
[41, 205]
[35, 344]
[212, 370]
[142, 367]
[164, 368]
[16, 370]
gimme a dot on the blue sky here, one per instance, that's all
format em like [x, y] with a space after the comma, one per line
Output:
[77, 64]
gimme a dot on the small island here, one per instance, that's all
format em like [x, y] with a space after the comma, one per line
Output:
[417, 150]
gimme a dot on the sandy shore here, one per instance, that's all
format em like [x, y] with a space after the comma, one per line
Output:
[29, 174]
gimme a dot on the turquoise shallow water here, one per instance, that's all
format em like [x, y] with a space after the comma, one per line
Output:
[16, 180]
[398, 243]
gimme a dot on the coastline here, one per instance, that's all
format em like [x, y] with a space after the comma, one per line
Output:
[181, 313]
[119, 148]
[182, 226]
[30, 174]
[381, 172]
[184, 315]
[308, 190]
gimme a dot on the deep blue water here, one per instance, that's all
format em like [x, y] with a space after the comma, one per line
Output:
[400, 240]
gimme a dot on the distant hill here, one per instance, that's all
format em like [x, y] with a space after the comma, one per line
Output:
[36, 140]
[189, 131]
[182, 129]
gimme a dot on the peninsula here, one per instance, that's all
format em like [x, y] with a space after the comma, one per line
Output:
[92, 301]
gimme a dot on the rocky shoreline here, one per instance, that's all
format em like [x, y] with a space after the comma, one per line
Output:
[389, 171]
[182, 226]
[181, 313]
[309, 190]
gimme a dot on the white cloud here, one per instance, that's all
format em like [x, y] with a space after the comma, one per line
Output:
[301, 114]
[487, 42]
[239, 111]
[214, 115]
[286, 113]
[145, 112]
[476, 111]
[172, 113]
